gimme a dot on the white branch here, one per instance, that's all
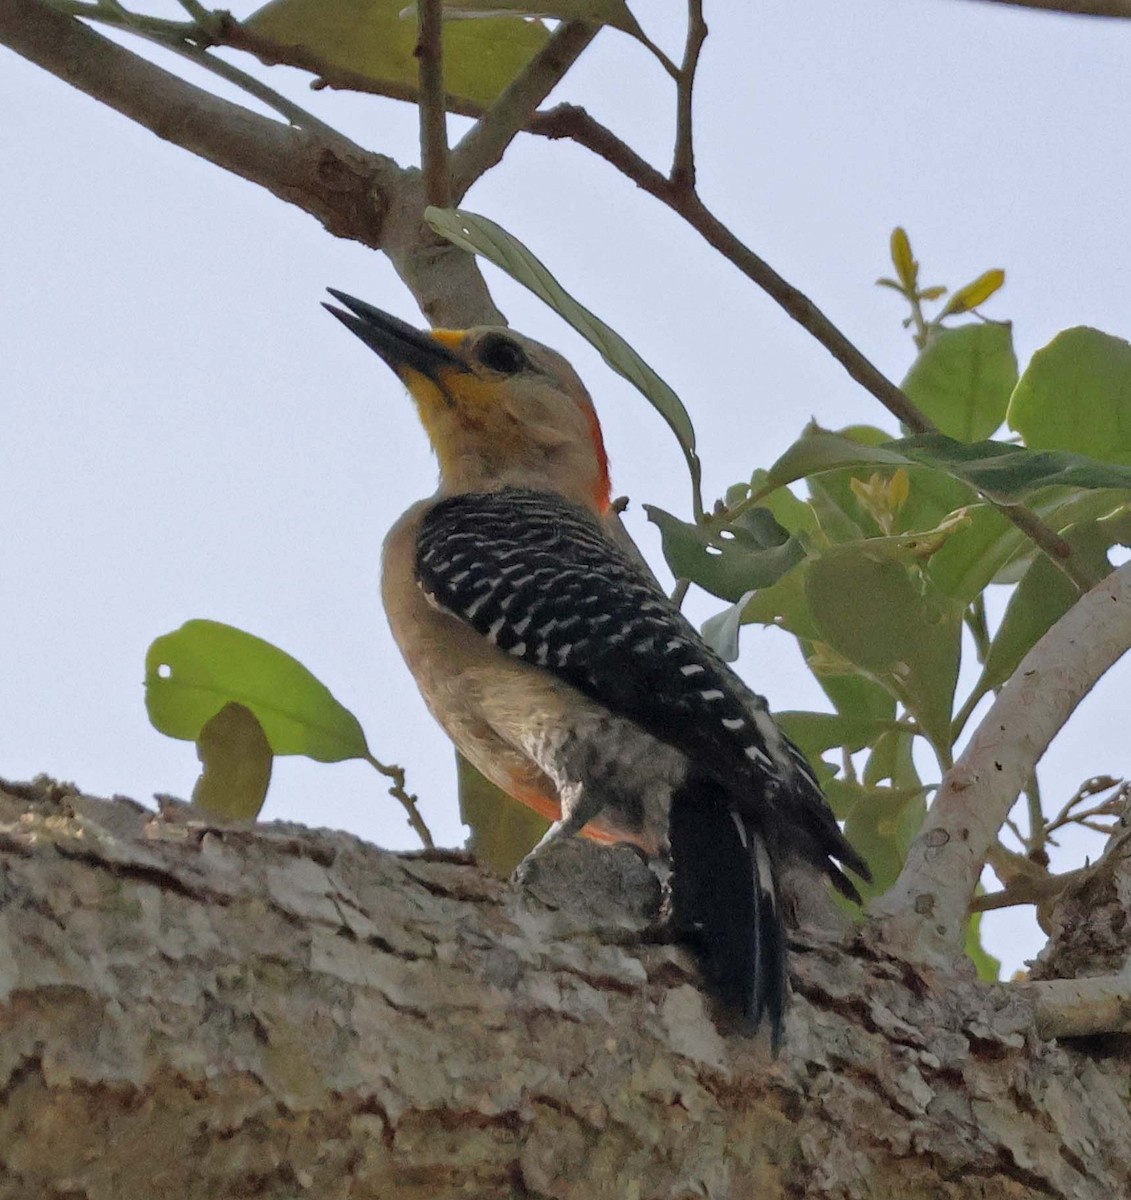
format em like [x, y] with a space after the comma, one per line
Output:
[924, 913]
[1079, 1007]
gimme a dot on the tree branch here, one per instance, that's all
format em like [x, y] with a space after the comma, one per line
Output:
[278, 1010]
[568, 121]
[355, 193]
[1082, 1007]
[433, 113]
[485, 143]
[683, 160]
[1075, 8]
[330, 177]
[924, 913]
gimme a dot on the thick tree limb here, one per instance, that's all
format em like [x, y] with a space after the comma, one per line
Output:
[924, 913]
[332, 179]
[204, 1012]
[1083, 1007]
[355, 193]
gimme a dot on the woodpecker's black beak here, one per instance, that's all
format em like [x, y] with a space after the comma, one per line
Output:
[398, 343]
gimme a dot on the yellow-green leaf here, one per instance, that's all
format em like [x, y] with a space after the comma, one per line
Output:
[988, 967]
[236, 764]
[905, 265]
[975, 293]
[192, 673]
[594, 12]
[503, 831]
[371, 38]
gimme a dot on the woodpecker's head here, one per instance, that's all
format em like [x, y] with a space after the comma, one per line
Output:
[500, 410]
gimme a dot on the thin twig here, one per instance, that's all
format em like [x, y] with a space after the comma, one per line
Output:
[433, 112]
[683, 160]
[1091, 787]
[407, 800]
[1027, 892]
[1038, 830]
[486, 142]
[178, 36]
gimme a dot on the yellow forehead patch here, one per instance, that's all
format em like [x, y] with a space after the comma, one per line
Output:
[452, 338]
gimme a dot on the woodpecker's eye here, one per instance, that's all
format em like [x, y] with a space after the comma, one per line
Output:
[501, 354]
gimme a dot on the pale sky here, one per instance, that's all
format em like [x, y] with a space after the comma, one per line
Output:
[187, 433]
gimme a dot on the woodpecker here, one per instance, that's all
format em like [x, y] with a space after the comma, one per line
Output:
[562, 671]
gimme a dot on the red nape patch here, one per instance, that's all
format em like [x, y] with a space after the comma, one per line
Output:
[602, 491]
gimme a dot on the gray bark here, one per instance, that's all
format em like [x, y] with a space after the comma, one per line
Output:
[200, 1011]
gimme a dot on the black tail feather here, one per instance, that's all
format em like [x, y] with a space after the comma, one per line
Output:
[725, 901]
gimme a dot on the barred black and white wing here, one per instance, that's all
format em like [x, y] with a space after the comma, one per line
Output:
[540, 579]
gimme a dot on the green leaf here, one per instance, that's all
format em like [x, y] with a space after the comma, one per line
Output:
[1000, 469]
[503, 831]
[478, 235]
[370, 38]
[192, 673]
[236, 760]
[783, 605]
[856, 695]
[974, 294]
[1076, 395]
[893, 759]
[1045, 594]
[819, 450]
[893, 625]
[989, 548]
[988, 967]
[881, 823]
[963, 379]
[752, 552]
[816, 732]
[1010, 472]
[720, 632]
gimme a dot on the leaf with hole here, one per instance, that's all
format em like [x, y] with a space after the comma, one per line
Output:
[194, 672]
[236, 762]
[371, 39]
[752, 552]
